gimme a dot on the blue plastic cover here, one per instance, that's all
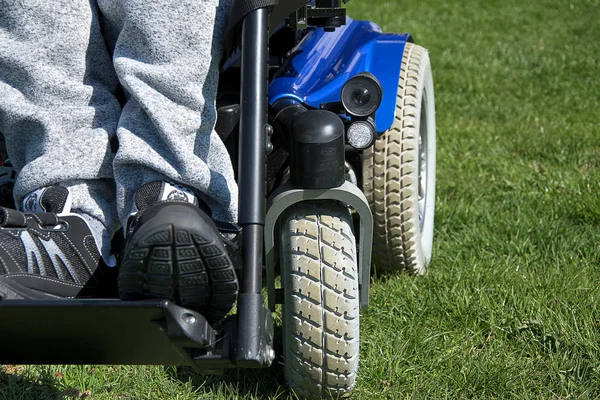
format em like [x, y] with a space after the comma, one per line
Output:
[323, 61]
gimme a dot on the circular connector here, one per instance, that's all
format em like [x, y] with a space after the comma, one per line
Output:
[362, 94]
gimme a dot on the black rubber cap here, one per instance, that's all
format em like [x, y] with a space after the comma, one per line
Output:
[317, 150]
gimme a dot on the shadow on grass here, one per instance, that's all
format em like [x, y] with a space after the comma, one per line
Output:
[259, 384]
[17, 383]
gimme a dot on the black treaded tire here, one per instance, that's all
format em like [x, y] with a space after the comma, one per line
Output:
[399, 172]
[321, 303]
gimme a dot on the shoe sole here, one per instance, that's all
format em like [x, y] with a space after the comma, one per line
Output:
[183, 260]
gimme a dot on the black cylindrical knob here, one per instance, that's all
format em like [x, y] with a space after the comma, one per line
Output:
[317, 150]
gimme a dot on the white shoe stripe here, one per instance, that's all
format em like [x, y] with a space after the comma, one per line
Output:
[32, 253]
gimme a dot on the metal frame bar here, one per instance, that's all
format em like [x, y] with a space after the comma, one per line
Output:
[254, 326]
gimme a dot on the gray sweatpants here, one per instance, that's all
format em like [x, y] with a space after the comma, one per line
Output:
[61, 64]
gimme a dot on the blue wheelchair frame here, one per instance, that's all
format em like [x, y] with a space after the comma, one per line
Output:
[324, 61]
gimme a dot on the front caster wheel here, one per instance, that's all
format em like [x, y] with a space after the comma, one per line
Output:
[399, 172]
[321, 304]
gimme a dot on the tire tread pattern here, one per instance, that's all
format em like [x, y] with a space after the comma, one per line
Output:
[321, 310]
[390, 176]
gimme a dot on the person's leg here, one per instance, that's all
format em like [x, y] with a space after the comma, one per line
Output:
[58, 113]
[167, 59]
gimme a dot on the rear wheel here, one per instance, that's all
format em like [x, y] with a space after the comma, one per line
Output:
[399, 172]
[321, 304]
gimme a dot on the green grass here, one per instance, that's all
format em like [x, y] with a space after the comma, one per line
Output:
[508, 308]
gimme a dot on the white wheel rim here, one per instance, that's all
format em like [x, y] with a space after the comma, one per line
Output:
[427, 167]
[422, 179]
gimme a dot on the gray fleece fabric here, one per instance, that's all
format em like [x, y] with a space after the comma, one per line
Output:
[62, 64]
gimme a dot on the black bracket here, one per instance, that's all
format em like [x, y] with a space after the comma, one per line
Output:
[329, 17]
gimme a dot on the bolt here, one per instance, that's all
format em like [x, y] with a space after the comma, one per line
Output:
[189, 318]
[269, 147]
[269, 130]
[271, 354]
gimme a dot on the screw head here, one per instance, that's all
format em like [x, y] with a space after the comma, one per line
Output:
[269, 129]
[189, 318]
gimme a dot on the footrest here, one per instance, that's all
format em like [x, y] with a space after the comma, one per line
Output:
[106, 332]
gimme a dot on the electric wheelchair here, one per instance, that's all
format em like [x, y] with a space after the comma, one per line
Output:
[330, 124]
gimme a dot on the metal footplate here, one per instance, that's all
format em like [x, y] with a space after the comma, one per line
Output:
[114, 332]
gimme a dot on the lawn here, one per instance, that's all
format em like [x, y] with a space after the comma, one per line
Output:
[508, 308]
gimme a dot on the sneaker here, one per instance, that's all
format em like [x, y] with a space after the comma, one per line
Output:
[173, 250]
[49, 252]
